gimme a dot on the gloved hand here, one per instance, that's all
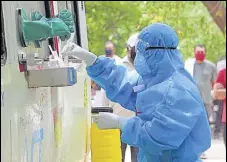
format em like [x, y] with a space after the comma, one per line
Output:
[62, 25]
[71, 49]
[110, 121]
[67, 17]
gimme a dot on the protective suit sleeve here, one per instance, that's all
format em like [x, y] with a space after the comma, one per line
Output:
[115, 80]
[167, 129]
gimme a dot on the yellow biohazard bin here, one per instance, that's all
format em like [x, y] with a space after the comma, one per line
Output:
[105, 144]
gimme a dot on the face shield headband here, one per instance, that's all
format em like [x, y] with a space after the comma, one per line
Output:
[149, 48]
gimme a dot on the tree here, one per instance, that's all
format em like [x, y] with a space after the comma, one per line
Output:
[110, 20]
[117, 20]
[218, 12]
[191, 21]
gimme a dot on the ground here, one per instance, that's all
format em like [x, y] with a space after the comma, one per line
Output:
[215, 154]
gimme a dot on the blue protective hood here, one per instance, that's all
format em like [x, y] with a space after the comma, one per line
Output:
[157, 64]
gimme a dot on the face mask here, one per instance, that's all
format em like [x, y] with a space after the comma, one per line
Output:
[200, 56]
[108, 52]
[141, 66]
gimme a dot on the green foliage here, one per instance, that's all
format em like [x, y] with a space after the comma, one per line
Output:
[223, 3]
[110, 20]
[116, 21]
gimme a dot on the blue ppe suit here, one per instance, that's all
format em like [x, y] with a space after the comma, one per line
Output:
[171, 123]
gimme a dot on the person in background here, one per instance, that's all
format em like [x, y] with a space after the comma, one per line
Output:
[204, 74]
[99, 99]
[110, 51]
[221, 64]
[95, 95]
[93, 89]
[218, 104]
[219, 93]
[127, 61]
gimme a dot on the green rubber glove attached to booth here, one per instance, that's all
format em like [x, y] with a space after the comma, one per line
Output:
[41, 28]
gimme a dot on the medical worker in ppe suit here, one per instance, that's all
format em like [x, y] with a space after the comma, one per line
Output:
[171, 123]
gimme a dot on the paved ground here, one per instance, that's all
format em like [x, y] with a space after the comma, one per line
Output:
[215, 154]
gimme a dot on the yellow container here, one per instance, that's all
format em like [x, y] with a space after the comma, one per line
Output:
[105, 145]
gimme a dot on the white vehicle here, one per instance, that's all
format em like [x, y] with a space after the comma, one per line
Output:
[44, 124]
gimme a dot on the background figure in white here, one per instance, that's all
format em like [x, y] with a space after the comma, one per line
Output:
[127, 61]
[221, 64]
[110, 51]
[98, 93]
[189, 65]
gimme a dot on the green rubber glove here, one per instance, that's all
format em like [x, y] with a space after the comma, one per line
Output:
[41, 28]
